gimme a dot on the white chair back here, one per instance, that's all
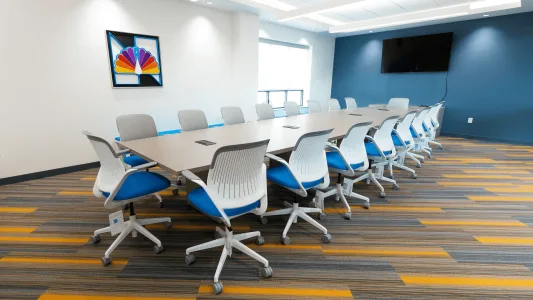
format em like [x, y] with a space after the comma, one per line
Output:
[333, 104]
[314, 106]
[404, 127]
[136, 126]
[193, 119]
[435, 115]
[232, 115]
[401, 104]
[291, 109]
[383, 135]
[111, 168]
[308, 158]
[353, 145]
[350, 102]
[427, 119]
[237, 175]
[419, 119]
[264, 111]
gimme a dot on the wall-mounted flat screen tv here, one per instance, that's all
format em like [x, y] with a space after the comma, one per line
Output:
[427, 53]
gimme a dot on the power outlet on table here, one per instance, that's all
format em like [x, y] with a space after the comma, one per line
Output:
[470, 120]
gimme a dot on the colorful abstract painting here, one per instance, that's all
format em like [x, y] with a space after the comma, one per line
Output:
[134, 60]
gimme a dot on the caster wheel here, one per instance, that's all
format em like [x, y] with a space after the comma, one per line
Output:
[285, 240]
[105, 261]
[423, 160]
[175, 192]
[126, 207]
[217, 235]
[158, 249]
[418, 165]
[440, 147]
[381, 194]
[217, 288]
[348, 216]
[326, 238]
[189, 259]
[430, 156]
[263, 220]
[266, 272]
[259, 241]
[414, 176]
[367, 205]
[395, 187]
[95, 239]
[322, 216]
[160, 204]
[168, 225]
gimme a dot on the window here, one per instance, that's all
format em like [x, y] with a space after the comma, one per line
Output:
[284, 73]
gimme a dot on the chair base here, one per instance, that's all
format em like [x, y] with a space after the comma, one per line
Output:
[132, 226]
[230, 241]
[400, 163]
[296, 211]
[373, 177]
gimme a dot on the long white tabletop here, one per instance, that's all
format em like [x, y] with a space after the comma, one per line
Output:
[179, 152]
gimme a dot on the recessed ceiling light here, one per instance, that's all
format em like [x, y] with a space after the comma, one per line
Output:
[194, 0]
[371, 31]
[486, 15]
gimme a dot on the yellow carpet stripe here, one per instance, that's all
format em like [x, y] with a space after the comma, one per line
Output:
[17, 210]
[463, 176]
[387, 252]
[76, 193]
[51, 260]
[48, 296]
[49, 240]
[500, 198]
[510, 223]
[468, 281]
[17, 229]
[505, 240]
[480, 184]
[286, 247]
[88, 178]
[239, 290]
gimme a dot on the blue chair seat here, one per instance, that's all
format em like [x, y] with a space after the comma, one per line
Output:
[372, 150]
[335, 161]
[282, 176]
[134, 160]
[140, 184]
[201, 200]
[425, 128]
[413, 133]
[397, 141]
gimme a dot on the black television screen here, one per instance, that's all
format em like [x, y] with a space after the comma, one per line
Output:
[427, 53]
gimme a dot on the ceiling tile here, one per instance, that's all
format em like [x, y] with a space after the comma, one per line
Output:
[450, 2]
[415, 5]
[338, 16]
[383, 8]
[357, 12]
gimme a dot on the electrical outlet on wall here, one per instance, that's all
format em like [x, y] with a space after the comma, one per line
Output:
[470, 120]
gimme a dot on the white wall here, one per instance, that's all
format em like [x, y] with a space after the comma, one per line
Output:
[59, 84]
[323, 51]
[56, 79]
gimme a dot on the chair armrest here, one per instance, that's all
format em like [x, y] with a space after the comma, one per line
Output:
[143, 166]
[283, 162]
[194, 178]
[371, 139]
[123, 152]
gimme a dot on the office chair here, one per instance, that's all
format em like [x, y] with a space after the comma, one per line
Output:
[314, 106]
[400, 104]
[232, 115]
[333, 104]
[431, 124]
[264, 111]
[236, 185]
[381, 151]
[192, 119]
[350, 102]
[401, 136]
[307, 168]
[349, 157]
[120, 187]
[134, 127]
[418, 133]
[291, 109]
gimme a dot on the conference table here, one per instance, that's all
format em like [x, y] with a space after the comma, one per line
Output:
[179, 152]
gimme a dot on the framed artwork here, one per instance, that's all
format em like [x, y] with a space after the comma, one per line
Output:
[134, 59]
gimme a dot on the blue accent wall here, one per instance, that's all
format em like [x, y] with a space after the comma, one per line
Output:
[490, 76]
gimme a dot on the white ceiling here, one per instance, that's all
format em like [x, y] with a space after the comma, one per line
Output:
[364, 15]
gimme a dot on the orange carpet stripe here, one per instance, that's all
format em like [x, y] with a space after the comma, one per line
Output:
[17, 210]
[468, 281]
[50, 296]
[45, 240]
[17, 229]
[239, 290]
[504, 240]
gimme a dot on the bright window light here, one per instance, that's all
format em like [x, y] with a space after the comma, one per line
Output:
[489, 3]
